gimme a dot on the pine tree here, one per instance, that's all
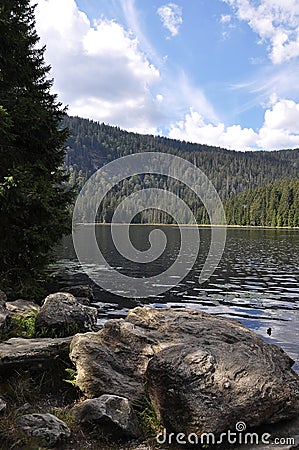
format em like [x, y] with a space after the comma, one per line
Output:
[33, 197]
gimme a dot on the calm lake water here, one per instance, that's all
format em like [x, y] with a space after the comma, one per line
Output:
[256, 282]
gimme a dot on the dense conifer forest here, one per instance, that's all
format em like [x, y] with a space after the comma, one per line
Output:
[34, 196]
[257, 188]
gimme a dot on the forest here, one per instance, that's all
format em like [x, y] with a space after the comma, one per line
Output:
[256, 188]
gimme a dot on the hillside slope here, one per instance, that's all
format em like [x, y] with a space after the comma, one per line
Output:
[91, 145]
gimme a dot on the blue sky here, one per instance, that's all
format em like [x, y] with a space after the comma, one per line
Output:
[218, 72]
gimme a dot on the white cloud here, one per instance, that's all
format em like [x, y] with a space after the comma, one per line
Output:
[134, 23]
[283, 80]
[227, 25]
[225, 18]
[194, 128]
[99, 68]
[279, 130]
[281, 125]
[171, 17]
[100, 71]
[275, 21]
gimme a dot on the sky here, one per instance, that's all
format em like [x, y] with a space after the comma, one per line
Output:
[217, 72]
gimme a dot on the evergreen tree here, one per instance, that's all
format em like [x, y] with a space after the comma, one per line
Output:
[33, 197]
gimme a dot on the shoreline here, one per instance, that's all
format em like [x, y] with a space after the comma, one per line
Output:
[258, 227]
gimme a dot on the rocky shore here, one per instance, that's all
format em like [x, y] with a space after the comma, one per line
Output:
[183, 375]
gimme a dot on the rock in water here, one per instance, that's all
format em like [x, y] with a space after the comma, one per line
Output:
[110, 413]
[62, 315]
[203, 373]
[82, 292]
[47, 428]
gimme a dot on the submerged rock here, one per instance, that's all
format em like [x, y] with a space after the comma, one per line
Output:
[46, 428]
[63, 315]
[112, 414]
[203, 373]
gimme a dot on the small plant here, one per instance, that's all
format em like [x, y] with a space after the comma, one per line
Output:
[65, 330]
[72, 375]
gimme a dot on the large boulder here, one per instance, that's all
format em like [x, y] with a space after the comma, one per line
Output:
[114, 360]
[63, 315]
[35, 354]
[46, 428]
[112, 414]
[203, 373]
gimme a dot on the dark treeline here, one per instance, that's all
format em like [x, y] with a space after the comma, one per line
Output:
[274, 205]
[257, 188]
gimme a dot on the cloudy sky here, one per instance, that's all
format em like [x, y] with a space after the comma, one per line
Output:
[220, 72]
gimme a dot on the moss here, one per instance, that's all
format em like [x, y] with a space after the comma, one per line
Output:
[147, 418]
[22, 326]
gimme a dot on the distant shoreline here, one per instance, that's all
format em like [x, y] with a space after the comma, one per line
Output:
[258, 227]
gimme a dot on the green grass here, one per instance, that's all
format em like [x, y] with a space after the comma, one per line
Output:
[65, 330]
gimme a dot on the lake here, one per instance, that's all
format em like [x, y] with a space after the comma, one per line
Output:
[256, 281]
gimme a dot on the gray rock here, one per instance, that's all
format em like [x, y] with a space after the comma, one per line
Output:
[3, 298]
[2, 406]
[112, 414]
[5, 320]
[34, 354]
[46, 428]
[204, 373]
[62, 315]
[80, 291]
[83, 300]
[22, 308]
[283, 436]
[113, 360]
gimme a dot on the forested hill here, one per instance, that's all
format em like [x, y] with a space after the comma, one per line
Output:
[275, 205]
[92, 145]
